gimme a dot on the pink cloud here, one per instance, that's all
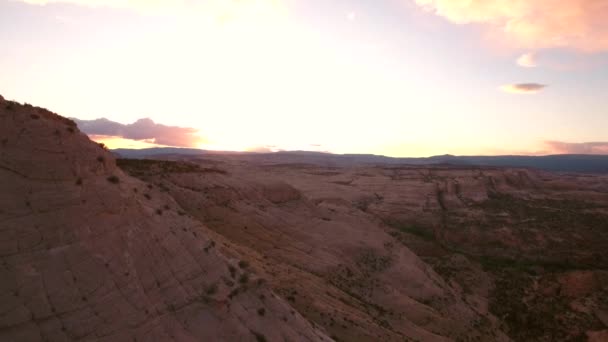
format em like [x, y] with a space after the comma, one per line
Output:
[533, 24]
[560, 147]
[144, 130]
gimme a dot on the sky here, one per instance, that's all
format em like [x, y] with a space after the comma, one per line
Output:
[391, 77]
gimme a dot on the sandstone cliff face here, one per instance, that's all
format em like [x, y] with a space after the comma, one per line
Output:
[90, 253]
[334, 262]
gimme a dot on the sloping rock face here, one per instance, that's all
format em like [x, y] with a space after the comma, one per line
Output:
[411, 252]
[336, 264]
[90, 253]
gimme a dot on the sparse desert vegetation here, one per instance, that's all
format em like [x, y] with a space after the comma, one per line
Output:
[366, 253]
[497, 222]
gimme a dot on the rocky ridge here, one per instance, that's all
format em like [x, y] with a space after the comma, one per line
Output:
[90, 253]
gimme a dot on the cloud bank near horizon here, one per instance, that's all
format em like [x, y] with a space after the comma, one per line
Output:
[144, 130]
[561, 147]
[540, 24]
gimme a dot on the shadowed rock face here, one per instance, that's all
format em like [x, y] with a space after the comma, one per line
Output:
[90, 253]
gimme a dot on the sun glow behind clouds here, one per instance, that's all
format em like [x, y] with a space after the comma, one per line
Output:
[247, 76]
[118, 142]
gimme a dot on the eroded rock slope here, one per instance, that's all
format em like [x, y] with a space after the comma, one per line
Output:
[88, 253]
[338, 265]
[386, 252]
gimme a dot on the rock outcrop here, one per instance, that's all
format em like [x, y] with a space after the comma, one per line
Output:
[337, 265]
[90, 253]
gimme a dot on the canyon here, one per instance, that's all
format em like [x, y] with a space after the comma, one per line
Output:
[99, 247]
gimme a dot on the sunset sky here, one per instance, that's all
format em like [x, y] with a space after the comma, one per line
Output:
[392, 77]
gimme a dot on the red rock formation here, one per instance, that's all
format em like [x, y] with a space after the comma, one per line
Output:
[89, 253]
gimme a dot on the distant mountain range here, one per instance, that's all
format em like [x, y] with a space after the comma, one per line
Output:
[556, 163]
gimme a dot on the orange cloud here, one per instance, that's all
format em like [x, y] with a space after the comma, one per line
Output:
[119, 142]
[533, 24]
[560, 147]
[523, 88]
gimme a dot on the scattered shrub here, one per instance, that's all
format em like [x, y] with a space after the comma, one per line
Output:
[212, 289]
[70, 129]
[113, 179]
[259, 337]
[35, 116]
[261, 311]
[79, 181]
[244, 278]
[211, 245]
[233, 293]
[101, 159]
[232, 270]
[243, 264]
[159, 212]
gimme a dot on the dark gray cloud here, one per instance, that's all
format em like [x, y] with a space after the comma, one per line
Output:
[523, 88]
[143, 130]
[560, 147]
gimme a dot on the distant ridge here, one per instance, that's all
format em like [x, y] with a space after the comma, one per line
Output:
[556, 163]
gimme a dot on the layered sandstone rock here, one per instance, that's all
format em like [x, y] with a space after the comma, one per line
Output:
[336, 264]
[392, 252]
[89, 253]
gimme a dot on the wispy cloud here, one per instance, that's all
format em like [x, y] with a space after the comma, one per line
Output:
[560, 147]
[533, 24]
[527, 60]
[523, 88]
[143, 130]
